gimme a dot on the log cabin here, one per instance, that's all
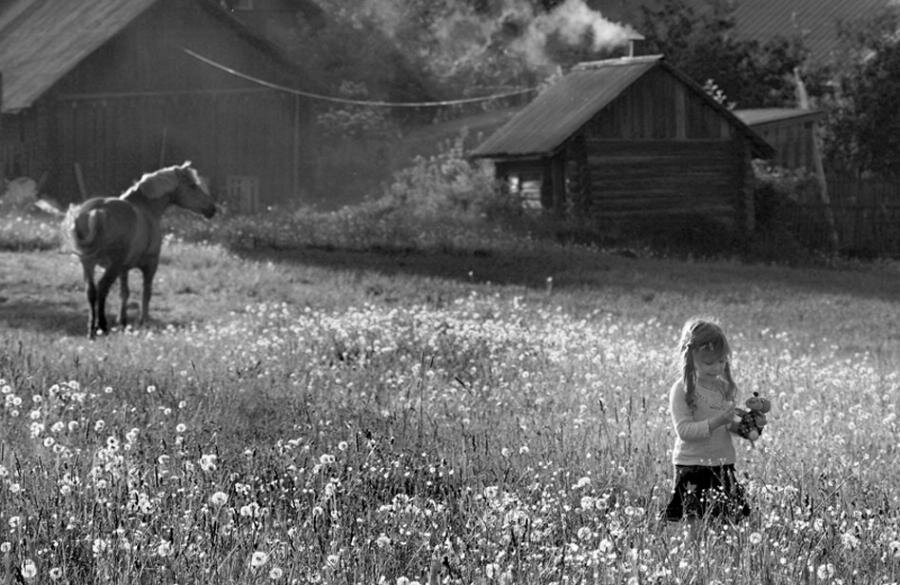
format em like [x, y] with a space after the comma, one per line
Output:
[628, 138]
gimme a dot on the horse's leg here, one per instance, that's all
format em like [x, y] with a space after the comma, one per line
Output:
[148, 271]
[91, 290]
[123, 291]
[103, 286]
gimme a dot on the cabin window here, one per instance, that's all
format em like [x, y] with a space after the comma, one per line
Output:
[526, 187]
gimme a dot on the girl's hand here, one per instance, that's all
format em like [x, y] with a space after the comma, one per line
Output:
[723, 418]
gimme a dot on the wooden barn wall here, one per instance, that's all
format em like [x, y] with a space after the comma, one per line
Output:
[229, 137]
[139, 102]
[24, 151]
[793, 142]
[658, 149]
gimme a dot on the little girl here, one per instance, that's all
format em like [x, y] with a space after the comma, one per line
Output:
[702, 405]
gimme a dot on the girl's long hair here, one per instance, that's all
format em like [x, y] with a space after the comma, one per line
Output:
[700, 334]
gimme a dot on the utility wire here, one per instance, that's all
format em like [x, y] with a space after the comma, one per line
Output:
[376, 104]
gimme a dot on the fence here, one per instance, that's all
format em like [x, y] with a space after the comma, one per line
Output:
[866, 217]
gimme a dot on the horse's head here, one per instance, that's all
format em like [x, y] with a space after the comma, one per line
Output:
[192, 192]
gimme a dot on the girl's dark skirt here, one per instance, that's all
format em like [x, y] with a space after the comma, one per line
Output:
[701, 491]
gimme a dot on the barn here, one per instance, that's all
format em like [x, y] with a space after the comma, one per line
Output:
[628, 138]
[97, 92]
[791, 131]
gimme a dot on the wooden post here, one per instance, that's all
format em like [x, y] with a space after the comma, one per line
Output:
[558, 182]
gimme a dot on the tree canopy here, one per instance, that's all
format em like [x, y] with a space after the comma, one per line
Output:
[700, 40]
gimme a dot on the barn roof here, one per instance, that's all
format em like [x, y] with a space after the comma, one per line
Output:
[562, 109]
[42, 40]
[759, 116]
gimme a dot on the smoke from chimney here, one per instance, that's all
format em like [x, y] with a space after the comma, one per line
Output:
[465, 37]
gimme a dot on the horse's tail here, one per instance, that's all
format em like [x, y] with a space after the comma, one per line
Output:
[81, 229]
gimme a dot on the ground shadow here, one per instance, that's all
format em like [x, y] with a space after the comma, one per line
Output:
[43, 316]
[616, 270]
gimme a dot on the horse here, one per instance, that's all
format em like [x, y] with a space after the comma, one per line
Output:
[121, 233]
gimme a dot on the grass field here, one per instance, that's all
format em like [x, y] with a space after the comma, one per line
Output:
[485, 411]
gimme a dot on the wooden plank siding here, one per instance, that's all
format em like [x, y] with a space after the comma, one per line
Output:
[139, 102]
[641, 140]
[657, 150]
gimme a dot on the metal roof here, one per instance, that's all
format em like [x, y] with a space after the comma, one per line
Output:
[758, 116]
[41, 41]
[563, 108]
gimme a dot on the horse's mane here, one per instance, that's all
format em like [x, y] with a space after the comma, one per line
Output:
[165, 180]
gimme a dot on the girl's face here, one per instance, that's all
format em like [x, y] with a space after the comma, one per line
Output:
[709, 365]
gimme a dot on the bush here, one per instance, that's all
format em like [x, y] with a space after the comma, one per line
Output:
[442, 186]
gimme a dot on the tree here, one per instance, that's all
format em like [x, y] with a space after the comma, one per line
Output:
[863, 99]
[700, 40]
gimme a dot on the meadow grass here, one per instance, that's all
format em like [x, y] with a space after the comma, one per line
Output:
[325, 400]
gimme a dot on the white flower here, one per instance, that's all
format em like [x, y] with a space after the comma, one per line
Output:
[258, 559]
[208, 462]
[56, 574]
[218, 499]
[275, 573]
[99, 546]
[825, 571]
[755, 538]
[5, 547]
[164, 548]
[29, 570]
[584, 533]
[383, 541]
[180, 428]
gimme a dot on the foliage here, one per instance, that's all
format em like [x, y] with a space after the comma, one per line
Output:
[699, 40]
[444, 185]
[863, 105]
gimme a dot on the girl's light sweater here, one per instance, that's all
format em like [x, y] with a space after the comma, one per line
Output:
[695, 444]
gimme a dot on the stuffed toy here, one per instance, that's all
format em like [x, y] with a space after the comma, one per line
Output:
[751, 422]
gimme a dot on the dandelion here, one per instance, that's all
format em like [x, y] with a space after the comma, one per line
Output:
[56, 574]
[29, 570]
[326, 459]
[15, 522]
[99, 425]
[164, 548]
[755, 538]
[276, 573]
[99, 546]
[825, 571]
[383, 541]
[584, 533]
[218, 499]
[894, 546]
[582, 483]
[850, 541]
[258, 559]
[5, 547]
[15, 487]
[208, 462]
[342, 446]
[151, 389]
[180, 428]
